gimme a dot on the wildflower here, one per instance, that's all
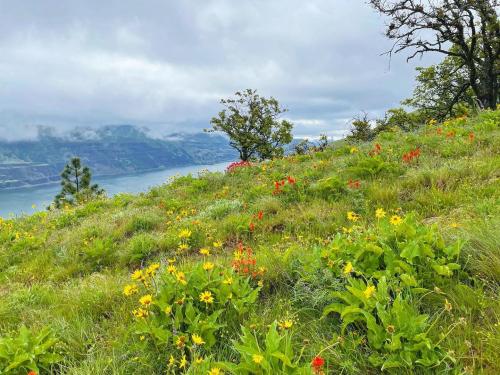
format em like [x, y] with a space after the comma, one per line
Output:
[130, 289]
[346, 230]
[207, 297]
[152, 269]
[185, 233]
[197, 340]
[171, 260]
[146, 300]
[454, 225]
[356, 184]
[317, 363]
[171, 360]
[183, 246]
[208, 266]
[291, 180]
[198, 360]
[352, 216]
[167, 310]
[447, 305]
[285, 324]
[137, 275]
[32, 372]
[180, 341]
[379, 213]
[260, 215]
[140, 313]
[395, 220]
[181, 278]
[257, 358]
[353, 150]
[215, 371]
[217, 244]
[228, 281]
[390, 329]
[471, 136]
[171, 269]
[348, 268]
[183, 362]
[251, 227]
[368, 292]
[205, 251]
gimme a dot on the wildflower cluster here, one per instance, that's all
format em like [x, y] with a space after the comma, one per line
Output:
[279, 185]
[411, 155]
[354, 184]
[236, 165]
[245, 263]
[377, 149]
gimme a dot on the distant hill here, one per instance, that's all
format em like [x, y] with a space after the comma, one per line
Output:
[110, 150]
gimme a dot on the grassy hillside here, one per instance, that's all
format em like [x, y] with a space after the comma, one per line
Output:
[363, 257]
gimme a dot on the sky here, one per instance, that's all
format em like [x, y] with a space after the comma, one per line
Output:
[165, 64]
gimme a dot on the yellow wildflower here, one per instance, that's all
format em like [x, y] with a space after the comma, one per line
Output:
[228, 281]
[146, 300]
[197, 340]
[167, 310]
[183, 246]
[368, 292]
[379, 213]
[285, 324]
[137, 275]
[217, 244]
[199, 360]
[183, 362]
[180, 342]
[130, 289]
[171, 360]
[353, 150]
[348, 268]
[171, 269]
[140, 313]
[395, 220]
[151, 270]
[447, 305]
[171, 260]
[207, 297]
[215, 371]
[181, 278]
[185, 233]
[257, 358]
[207, 266]
[352, 216]
[204, 251]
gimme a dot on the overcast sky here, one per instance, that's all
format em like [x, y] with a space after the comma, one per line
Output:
[166, 63]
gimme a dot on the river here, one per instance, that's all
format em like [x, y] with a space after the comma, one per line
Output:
[28, 200]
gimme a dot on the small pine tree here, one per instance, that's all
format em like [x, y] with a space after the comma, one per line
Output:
[76, 185]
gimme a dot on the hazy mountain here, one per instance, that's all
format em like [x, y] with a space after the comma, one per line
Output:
[111, 150]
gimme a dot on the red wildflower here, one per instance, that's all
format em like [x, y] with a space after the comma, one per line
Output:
[439, 131]
[237, 164]
[356, 184]
[291, 180]
[317, 364]
[378, 147]
[260, 215]
[251, 227]
[32, 372]
[450, 134]
[413, 154]
[471, 136]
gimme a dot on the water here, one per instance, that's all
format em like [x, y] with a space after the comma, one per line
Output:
[29, 200]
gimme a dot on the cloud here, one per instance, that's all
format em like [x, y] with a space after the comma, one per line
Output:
[166, 64]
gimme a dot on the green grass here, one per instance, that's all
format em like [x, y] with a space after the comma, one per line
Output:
[67, 270]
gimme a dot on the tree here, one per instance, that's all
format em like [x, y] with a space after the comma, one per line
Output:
[253, 125]
[471, 27]
[442, 90]
[76, 185]
[361, 129]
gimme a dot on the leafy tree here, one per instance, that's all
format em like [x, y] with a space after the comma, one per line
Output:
[76, 185]
[361, 129]
[253, 125]
[472, 27]
[302, 147]
[402, 119]
[442, 90]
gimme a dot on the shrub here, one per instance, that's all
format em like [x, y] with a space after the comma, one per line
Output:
[330, 188]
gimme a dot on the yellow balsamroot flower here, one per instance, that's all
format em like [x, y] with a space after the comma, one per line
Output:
[395, 220]
[151, 270]
[454, 225]
[217, 244]
[130, 289]
[183, 362]
[137, 275]
[215, 371]
[199, 360]
[204, 251]
[181, 278]
[171, 260]
[183, 246]
[348, 268]
[285, 324]
[171, 269]
[352, 216]
[257, 358]
[379, 213]
[346, 230]
[447, 305]
[140, 313]
[171, 361]
[180, 342]
[146, 300]
[353, 150]
[207, 297]
[167, 310]
[368, 292]
[208, 266]
[228, 281]
[185, 233]
[197, 340]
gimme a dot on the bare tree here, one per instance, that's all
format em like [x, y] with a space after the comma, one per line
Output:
[471, 27]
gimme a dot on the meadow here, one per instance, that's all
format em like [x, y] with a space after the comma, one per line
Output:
[359, 259]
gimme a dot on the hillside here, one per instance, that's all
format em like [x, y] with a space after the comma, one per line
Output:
[363, 257]
[111, 150]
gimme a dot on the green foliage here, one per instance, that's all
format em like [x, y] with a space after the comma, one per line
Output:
[76, 185]
[28, 351]
[252, 124]
[361, 129]
[330, 188]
